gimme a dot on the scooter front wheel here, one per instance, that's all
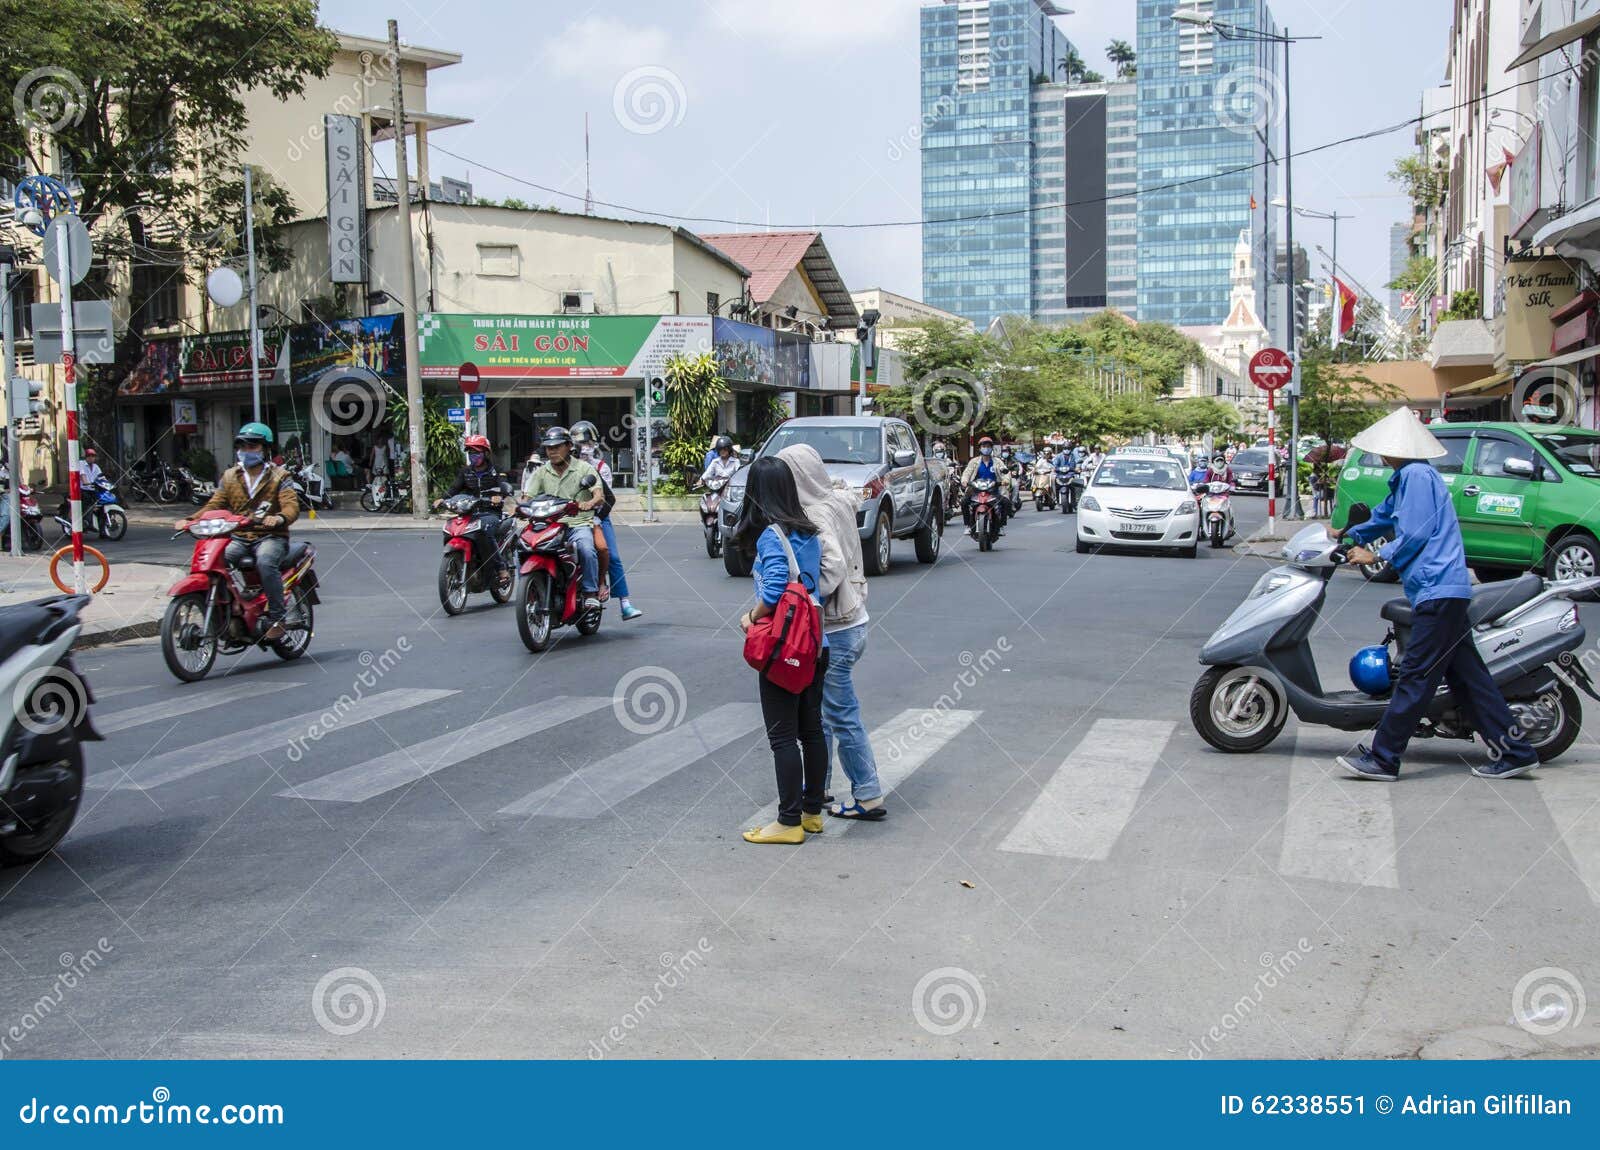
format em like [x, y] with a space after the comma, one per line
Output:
[1237, 709]
[533, 621]
[187, 648]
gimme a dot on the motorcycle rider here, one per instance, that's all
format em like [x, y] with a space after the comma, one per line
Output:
[723, 462]
[480, 477]
[562, 475]
[587, 436]
[984, 465]
[1219, 472]
[261, 491]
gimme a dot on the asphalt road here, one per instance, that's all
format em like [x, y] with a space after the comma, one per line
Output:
[421, 840]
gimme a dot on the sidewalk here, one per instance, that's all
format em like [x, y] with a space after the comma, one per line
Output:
[130, 607]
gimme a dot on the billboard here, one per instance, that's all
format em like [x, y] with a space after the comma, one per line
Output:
[506, 347]
[156, 371]
[375, 342]
[223, 359]
[750, 353]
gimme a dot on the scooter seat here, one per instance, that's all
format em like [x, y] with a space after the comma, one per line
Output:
[1489, 601]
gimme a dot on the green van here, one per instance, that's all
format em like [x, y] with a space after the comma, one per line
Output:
[1527, 496]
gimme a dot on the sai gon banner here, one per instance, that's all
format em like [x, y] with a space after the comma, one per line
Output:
[508, 347]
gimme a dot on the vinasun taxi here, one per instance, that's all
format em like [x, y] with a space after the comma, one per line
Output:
[1139, 497]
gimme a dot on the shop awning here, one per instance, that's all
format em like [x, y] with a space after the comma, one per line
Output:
[1567, 360]
[1560, 38]
[1481, 387]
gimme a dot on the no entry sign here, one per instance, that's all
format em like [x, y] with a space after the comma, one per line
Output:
[1270, 368]
[469, 377]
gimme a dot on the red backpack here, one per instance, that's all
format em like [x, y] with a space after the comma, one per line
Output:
[784, 645]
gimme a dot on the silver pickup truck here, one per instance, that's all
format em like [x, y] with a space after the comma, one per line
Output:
[902, 493]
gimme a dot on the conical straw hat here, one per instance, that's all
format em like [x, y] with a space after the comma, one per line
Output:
[1399, 435]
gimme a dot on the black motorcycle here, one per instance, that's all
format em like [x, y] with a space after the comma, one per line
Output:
[477, 553]
[1066, 488]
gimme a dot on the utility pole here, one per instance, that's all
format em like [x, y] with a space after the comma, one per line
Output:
[255, 329]
[8, 333]
[1293, 511]
[402, 182]
[69, 371]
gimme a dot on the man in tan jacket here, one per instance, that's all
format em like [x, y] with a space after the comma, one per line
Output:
[257, 489]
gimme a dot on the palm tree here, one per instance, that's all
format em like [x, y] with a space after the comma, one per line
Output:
[1075, 71]
[1121, 53]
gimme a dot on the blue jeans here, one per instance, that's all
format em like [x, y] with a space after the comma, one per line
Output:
[269, 552]
[582, 540]
[841, 715]
[619, 581]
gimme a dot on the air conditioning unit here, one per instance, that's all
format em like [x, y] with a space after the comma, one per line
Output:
[577, 303]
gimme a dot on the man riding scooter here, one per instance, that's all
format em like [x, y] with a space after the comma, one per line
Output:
[260, 491]
[480, 477]
[562, 476]
[984, 465]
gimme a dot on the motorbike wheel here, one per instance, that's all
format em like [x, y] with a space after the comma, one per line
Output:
[735, 562]
[1217, 534]
[980, 528]
[1568, 723]
[453, 582]
[1379, 572]
[589, 623]
[533, 622]
[1038, 503]
[168, 492]
[330, 502]
[713, 543]
[297, 640]
[65, 773]
[1236, 710]
[188, 653]
[369, 500]
[114, 524]
[503, 585]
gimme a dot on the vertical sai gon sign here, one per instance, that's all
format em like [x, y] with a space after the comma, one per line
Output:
[347, 200]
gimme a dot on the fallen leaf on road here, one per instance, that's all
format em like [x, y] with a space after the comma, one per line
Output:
[967, 884]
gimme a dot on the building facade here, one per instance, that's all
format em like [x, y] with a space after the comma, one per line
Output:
[1207, 104]
[1122, 197]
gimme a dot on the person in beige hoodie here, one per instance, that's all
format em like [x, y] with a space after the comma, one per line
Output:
[842, 588]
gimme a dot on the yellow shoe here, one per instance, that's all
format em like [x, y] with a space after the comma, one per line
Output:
[776, 833]
[811, 824]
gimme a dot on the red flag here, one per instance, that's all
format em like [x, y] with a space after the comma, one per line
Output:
[1344, 309]
[1252, 203]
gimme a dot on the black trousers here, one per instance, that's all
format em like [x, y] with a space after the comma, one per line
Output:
[1441, 649]
[799, 748]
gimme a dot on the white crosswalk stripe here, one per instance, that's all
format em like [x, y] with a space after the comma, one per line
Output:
[187, 703]
[1572, 792]
[355, 784]
[1337, 829]
[272, 739]
[900, 746]
[102, 694]
[592, 791]
[1081, 811]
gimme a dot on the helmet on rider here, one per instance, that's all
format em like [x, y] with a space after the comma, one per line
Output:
[256, 431]
[556, 438]
[722, 443]
[477, 448]
[585, 432]
[251, 443]
[986, 445]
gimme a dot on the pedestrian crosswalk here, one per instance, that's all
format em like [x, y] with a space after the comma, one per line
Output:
[1092, 803]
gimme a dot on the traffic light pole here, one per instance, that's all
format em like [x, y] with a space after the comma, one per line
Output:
[8, 368]
[69, 369]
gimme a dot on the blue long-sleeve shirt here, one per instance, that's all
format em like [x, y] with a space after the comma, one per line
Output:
[771, 568]
[1426, 545]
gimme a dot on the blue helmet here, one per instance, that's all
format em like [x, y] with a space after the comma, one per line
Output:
[1369, 670]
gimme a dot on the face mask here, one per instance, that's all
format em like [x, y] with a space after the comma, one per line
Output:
[474, 459]
[251, 458]
[986, 450]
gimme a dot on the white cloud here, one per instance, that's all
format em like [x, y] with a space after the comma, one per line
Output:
[599, 50]
[839, 26]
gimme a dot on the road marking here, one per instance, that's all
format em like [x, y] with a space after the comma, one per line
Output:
[1337, 829]
[363, 781]
[592, 791]
[1571, 791]
[269, 739]
[900, 746]
[187, 703]
[112, 692]
[1081, 811]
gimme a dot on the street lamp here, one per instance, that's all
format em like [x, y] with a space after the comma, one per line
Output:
[1197, 18]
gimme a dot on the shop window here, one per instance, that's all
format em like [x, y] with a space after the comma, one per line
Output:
[501, 260]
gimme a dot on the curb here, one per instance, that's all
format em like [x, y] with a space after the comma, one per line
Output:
[144, 630]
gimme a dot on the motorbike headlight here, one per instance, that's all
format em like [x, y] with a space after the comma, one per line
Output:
[1270, 583]
[1089, 503]
[733, 496]
[1187, 507]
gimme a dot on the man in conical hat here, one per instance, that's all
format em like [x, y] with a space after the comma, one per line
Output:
[1425, 548]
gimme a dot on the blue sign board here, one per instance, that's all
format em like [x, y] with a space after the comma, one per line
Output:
[457, 415]
[479, 399]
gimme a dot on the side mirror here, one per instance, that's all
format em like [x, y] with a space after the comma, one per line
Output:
[588, 482]
[904, 458]
[746, 455]
[1359, 514]
[1521, 468]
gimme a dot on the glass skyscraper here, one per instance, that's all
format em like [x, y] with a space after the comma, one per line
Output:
[1207, 105]
[980, 61]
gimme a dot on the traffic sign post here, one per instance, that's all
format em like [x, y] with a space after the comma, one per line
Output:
[1270, 369]
[469, 380]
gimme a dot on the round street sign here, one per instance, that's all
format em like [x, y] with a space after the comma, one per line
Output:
[82, 248]
[1270, 368]
[469, 377]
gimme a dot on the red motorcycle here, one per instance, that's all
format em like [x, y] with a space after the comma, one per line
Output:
[548, 594]
[217, 609]
[471, 548]
[985, 512]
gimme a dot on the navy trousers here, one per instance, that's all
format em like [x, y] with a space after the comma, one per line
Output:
[1441, 649]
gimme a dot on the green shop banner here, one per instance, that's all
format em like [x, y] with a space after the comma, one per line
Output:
[507, 347]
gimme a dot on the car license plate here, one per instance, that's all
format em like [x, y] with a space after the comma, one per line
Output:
[1138, 528]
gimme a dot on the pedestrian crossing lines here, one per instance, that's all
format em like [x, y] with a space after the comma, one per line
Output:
[1572, 792]
[1337, 828]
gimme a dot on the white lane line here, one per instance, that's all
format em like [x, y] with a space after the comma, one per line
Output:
[112, 692]
[1570, 790]
[270, 739]
[1337, 829]
[1081, 811]
[590, 792]
[363, 781]
[187, 703]
[900, 746]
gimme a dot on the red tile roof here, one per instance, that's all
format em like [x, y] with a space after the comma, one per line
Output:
[770, 256]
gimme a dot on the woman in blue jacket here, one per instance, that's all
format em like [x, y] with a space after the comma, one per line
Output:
[793, 722]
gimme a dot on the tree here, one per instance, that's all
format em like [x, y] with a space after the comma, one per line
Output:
[1423, 182]
[1464, 305]
[1121, 53]
[1417, 274]
[1075, 71]
[1190, 419]
[946, 366]
[1157, 352]
[695, 388]
[1336, 401]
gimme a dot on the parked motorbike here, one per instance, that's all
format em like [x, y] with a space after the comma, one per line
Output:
[985, 497]
[548, 594]
[709, 504]
[472, 546]
[1216, 508]
[32, 516]
[386, 493]
[312, 489]
[153, 480]
[102, 511]
[1044, 486]
[198, 490]
[1260, 666]
[1066, 489]
[217, 609]
[41, 752]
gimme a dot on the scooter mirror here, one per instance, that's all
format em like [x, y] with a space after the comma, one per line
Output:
[1359, 514]
[588, 481]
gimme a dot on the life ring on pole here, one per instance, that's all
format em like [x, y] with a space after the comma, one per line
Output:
[55, 569]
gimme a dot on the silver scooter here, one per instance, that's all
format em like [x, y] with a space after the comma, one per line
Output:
[1259, 664]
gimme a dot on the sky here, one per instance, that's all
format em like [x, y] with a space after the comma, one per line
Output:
[804, 113]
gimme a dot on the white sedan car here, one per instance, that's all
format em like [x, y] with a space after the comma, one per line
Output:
[1139, 500]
